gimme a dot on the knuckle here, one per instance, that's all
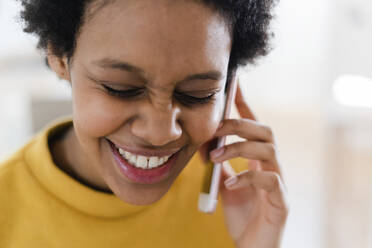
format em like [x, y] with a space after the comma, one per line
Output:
[274, 181]
[286, 209]
[272, 150]
[236, 124]
[283, 217]
[234, 150]
[248, 176]
[240, 149]
[268, 132]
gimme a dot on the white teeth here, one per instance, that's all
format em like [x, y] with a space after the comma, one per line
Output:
[141, 162]
[127, 155]
[153, 162]
[133, 159]
[161, 160]
[121, 151]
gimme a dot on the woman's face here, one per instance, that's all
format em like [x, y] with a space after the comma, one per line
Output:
[168, 55]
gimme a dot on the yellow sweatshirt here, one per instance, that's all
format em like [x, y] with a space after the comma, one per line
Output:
[41, 206]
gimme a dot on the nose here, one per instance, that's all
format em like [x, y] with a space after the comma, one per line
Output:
[157, 126]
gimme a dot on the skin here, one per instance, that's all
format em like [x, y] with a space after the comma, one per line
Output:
[255, 204]
[170, 41]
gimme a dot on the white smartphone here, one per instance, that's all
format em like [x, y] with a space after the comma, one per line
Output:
[208, 197]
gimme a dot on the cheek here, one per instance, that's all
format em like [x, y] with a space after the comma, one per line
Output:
[202, 123]
[95, 113]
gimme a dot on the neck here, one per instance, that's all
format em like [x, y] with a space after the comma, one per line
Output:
[66, 152]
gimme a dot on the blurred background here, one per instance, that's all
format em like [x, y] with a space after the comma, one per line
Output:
[314, 90]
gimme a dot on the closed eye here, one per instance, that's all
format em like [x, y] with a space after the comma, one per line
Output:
[124, 93]
[183, 98]
[192, 100]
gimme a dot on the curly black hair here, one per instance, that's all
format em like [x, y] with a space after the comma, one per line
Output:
[57, 23]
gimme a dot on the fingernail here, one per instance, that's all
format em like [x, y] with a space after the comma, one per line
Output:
[218, 152]
[220, 126]
[231, 181]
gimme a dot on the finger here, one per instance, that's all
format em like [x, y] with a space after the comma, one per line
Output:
[265, 152]
[254, 165]
[247, 129]
[228, 170]
[241, 105]
[254, 132]
[269, 181]
[246, 149]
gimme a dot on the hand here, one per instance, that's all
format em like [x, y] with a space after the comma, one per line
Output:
[254, 201]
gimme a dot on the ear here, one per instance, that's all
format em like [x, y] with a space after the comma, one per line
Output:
[59, 65]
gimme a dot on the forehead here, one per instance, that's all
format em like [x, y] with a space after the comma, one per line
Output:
[156, 34]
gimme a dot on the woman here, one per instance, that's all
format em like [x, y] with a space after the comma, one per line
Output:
[148, 83]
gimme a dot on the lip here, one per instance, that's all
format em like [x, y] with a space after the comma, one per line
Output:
[143, 176]
[145, 152]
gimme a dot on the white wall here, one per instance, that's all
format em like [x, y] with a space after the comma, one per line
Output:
[22, 76]
[21, 65]
[296, 73]
[350, 174]
[352, 37]
[288, 90]
[13, 42]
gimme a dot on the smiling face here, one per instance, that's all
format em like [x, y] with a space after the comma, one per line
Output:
[171, 58]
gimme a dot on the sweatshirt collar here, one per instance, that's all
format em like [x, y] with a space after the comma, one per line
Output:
[68, 189]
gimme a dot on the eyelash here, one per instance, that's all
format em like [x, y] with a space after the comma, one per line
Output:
[182, 98]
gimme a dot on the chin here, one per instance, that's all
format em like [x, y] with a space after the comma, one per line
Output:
[140, 194]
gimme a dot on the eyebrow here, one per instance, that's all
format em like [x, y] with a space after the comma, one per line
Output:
[125, 66]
